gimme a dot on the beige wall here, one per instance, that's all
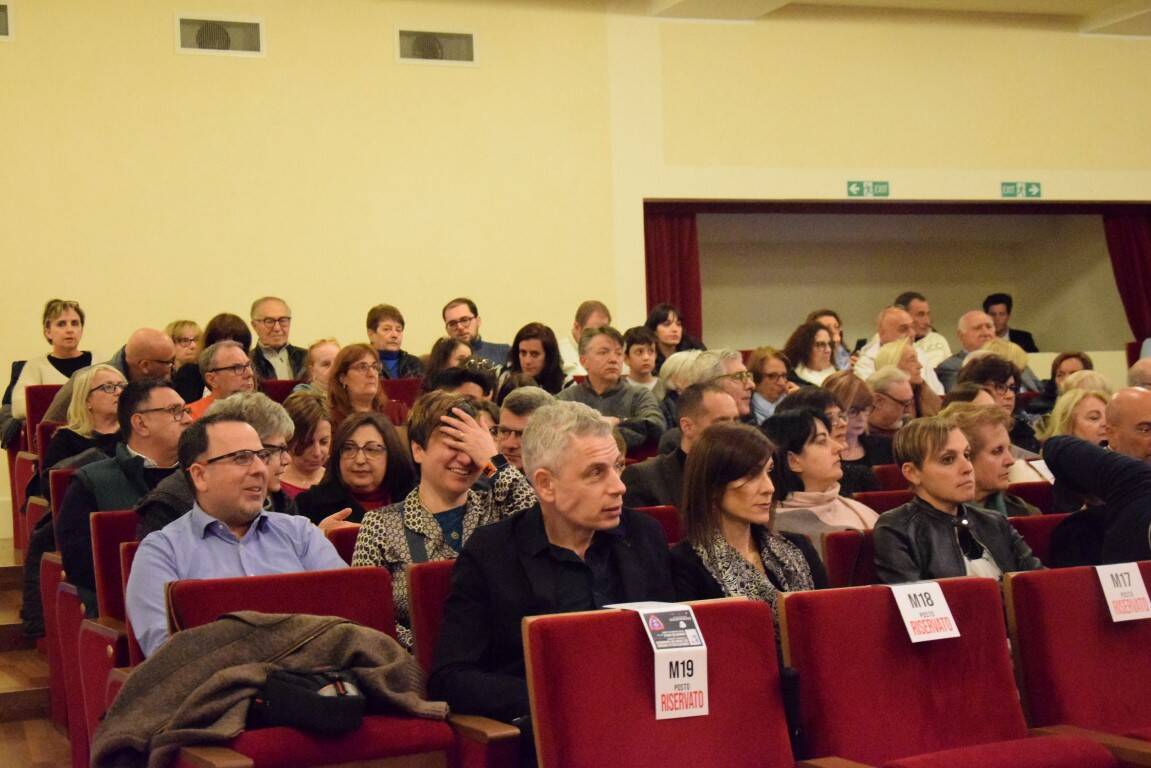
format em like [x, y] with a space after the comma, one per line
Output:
[151, 185]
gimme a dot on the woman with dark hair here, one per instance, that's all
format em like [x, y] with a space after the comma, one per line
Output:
[1064, 364]
[809, 350]
[464, 483]
[856, 475]
[730, 549]
[829, 318]
[1000, 377]
[311, 442]
[806, 472]
[188, 381]
[368, 468]
[536, 352]
[446, 353]
[665, 321]
[354, 383]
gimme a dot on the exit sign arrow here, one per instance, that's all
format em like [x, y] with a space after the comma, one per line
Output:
[868, 189]
[1016, 189]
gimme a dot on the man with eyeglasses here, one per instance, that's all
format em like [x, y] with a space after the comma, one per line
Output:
[148, 354]
[226, 371]
[517, 408]
[272, 356]
[227, 533]
[892, 402]
[152, 417]
[462, 322]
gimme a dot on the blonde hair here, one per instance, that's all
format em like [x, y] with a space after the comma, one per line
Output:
[1090, 380]
[1060, 422]
[1009, 351]
[79, 417]
[971, 418]
[891, 353]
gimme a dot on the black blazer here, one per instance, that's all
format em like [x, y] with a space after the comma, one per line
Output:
[1023, 339]
[657, 481]
[297, 361]
[324, 499]
[694, 582]
[501, 576]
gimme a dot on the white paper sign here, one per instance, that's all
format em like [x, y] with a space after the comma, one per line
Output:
[680, 658]
[1040, 466]
[925, 611]
[1124, 591]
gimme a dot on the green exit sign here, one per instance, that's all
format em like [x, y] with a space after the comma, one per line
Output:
[869, 189]
[1013, 189]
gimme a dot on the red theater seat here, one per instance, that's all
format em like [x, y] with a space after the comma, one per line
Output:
[110, 529]
[849, 557]
[51, 575]
[1039, 494]
[881, 501]
[1036, 530]
[429, 585]
[37, 398]
[890, 477]
[404, 391]
[344, 540]
[867, 693]
[591, 686]
[668, 518]
[278, 389]
[69, 615]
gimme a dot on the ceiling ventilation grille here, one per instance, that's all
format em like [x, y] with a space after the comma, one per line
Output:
[220, 36]
[5, 30]
[444, 47]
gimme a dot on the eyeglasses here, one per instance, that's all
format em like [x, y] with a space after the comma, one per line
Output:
[272, 322]
[236, 370]
[110, 388]
[166, 363]
[1002, 389]
[276, 451]
[503, 433]
[773, 376]
[466, 320]
[740, 376]
[902, 403]
[855, 413]
[177, 412]
[243, 457]
[186, 341]
[370, 450]
[835, 417]
[366, 367]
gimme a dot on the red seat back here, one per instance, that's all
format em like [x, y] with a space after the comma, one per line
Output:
[402, 390]
[34, 509]
[127, 555]
[69, 615]
[849, 557]
[51, 574]
[429, 585]
[890, 477]
[45, 430]
[26, 467]
[397, 412]
[109, 531]
[590, 678]
[37, 398]
[1075, 665]
[1039, 494]
[58, 482]
[857, 669]
[881, 501]
[278, 389]
[669, 519]
[363, 595]
[1036, 530]
[344, 540]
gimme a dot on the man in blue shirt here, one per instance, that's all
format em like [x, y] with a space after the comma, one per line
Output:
[227, 533]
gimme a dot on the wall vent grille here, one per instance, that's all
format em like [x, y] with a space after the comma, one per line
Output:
[219, 36]
[441, 47]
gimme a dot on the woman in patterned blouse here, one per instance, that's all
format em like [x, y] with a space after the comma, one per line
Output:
[728, 504]
[464, 483]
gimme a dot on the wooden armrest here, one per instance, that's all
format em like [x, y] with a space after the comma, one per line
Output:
[109, 626]
[214, 757]
[1133, 752]
[830, 762]
[482, 729]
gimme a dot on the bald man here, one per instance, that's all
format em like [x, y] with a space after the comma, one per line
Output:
[1139, 375]
[1129, 423]
[148, 354]
[975, 329]
[894, 323]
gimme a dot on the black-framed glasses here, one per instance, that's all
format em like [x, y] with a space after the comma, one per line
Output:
[905, 404]
[366, 367]
[272, 322]
[465, 320]
[109, 388]
[177, 412]
[170, 363]
[370, 450]
[186, 341]
[772, 376]
[236, 370]
[503, 433]
[1003, 389]
[276, 451]
[243, 457]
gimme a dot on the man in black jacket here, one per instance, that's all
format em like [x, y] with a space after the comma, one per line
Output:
[577, 550]
[658, 481]
[273, 357]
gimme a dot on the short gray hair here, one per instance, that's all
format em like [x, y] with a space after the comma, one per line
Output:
[265, 415]
[524, 401]
[673, 372]
[882, 379]
[553, 427]
[207, 357]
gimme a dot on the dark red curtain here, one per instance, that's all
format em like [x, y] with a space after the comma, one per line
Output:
[671, 255]
[1129, 243]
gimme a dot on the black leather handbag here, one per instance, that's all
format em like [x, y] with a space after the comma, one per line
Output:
[325, 701]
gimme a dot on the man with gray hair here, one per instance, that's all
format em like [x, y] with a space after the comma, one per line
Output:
[517, 407]
[720, 366]
[975, 329]
[578, 549]
[1139, 374]
[272, 356]
[226, 371]
[892, 402]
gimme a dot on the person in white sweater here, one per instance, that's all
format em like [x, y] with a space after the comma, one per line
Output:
[63, 328]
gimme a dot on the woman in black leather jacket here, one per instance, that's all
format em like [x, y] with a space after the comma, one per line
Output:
[938, 534]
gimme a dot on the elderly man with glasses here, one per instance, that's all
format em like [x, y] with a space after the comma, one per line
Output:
[462, 322]
[272, 356]
[226, 370]
[152, 416]
[227, 467]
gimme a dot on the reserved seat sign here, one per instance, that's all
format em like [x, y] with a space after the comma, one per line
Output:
[925, 611]
[680, 658]
[1124, 591]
